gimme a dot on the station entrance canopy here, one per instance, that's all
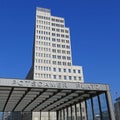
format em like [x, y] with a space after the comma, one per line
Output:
[34, 95]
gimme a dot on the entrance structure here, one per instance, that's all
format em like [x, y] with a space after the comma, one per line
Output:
[64, 98]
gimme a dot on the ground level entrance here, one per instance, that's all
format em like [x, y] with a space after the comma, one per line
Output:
[66, 100]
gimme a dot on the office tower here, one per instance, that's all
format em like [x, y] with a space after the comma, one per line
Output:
[52, 57]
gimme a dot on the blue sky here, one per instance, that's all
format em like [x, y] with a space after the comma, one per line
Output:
[95, 37]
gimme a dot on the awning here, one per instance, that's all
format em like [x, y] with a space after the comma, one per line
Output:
[37, 95]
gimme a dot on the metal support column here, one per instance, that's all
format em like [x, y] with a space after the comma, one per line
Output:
[60, 114]
[71, 112]
[110, 106]
[75, 111]
[67, 113]
[57, 115]
[80, 111]
[63, 114]
[101, 116]
[92, 108]
[86, 110]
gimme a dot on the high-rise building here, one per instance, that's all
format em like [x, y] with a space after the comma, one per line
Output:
[52, 57]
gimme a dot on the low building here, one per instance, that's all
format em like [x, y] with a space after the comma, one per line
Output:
[117, 108]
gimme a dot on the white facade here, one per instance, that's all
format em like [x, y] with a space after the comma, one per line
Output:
[52, 49]
[52, 57]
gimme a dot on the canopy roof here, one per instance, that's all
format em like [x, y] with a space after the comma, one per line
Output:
[34, 95]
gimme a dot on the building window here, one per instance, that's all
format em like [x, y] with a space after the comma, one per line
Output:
[58, 45]
[78, 71]
[65, 77]
[69, 64]
[49, 76]
[68, 58]
[62, 30]
[59, 76]
[79, 78]
[67, 36]
[63, 46]
[54, 69]
[59, 57]
[54, 56]
[54, 50]
[59, 69]
[62, 35]
[58, 30]
[64, 70]
[59, 63]
[58, 40]
[64, 63]
[49, 68]
[70, 77]
[54, 76]
[69, 70]
[64, 57]
[67, 46]
[53, 45]
[63, 41]
[74, 71]
[58, 51]
[53, 34]
[54, 62]
[63, 51]
[58, 35]
[53, 39]
[68, 52]
[74, 77]
[53, 29]
[67, 41]
[66, 31]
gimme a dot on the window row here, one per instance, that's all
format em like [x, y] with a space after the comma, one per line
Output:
[43, 55]
[46, 68]
[60, 35]
[43, 17]
[57, 20]
[57, 25]
[66, 77]
[43, 68]
[60, 46]
[61, 57]
[60, 40]
[42, 37]
[66, 70]
[43, 22]
[61, 63]
[38, 75]
[60, 51]
[58, 77]
[60, 30]
[43, 43]
[43, 32]
[43, 61]
[43, 27]
[42, 49]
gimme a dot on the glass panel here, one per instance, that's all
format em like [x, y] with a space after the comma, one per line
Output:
[104, 107]
[89, 110]
[96, 108]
